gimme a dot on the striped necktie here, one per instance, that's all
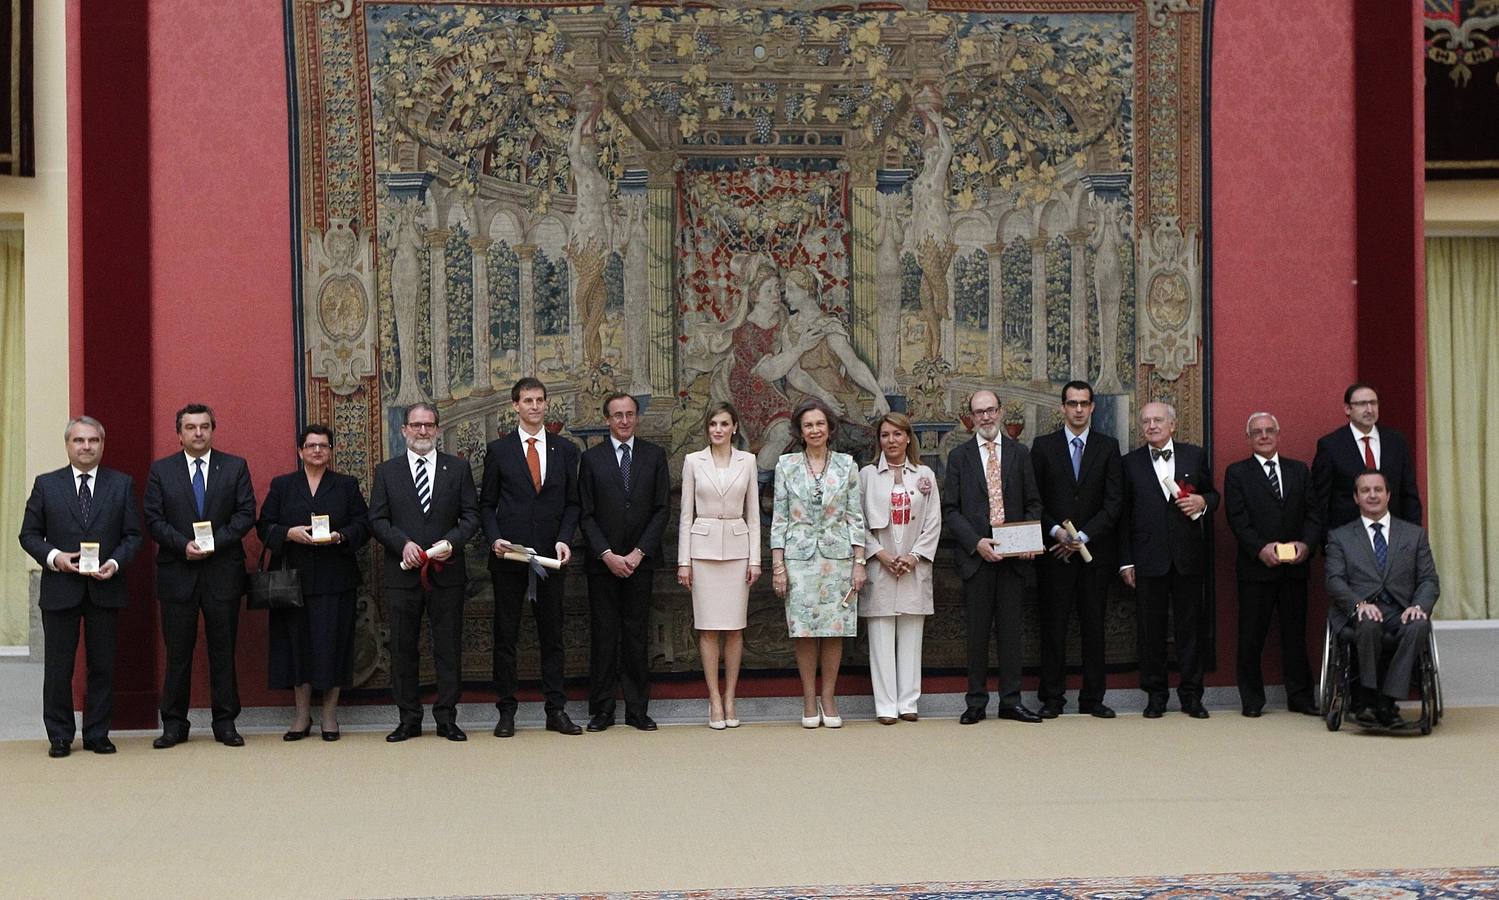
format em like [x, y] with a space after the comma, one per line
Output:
[423, 486]
[1274, 478]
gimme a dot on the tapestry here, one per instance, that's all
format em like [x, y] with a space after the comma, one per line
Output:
[1462, 88]
[898, 203]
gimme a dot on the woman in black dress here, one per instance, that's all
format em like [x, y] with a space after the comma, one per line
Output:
[312, 647]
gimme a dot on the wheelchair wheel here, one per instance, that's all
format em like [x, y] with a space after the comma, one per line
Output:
[1428, 697]
[1436, 676]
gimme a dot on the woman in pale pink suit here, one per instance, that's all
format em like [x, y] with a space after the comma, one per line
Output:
[718, 553]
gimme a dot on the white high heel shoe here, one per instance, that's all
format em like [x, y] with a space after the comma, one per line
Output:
[829, 721]
[813, 721]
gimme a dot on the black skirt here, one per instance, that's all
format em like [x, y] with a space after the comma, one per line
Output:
[315, 644]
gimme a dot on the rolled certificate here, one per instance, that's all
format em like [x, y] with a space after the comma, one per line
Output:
[1072, 533]
[203, 536]
[320, 530]
[88, 557]
[439, 547]
[521, 556]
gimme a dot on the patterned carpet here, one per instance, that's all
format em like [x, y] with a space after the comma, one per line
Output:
[1368, 884]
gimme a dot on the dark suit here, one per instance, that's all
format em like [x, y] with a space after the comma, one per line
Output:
[213, 586]
[396, 517]
[1092, 501]
[1340, 459]
[313, 644]
[993, 593]
[1169, 553]
[54, 521]
[1258, 516]
[620, 608]
[1410, 579]
[512, 509]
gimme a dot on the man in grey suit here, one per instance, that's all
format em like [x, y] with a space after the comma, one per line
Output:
[419, 498]
[80, 503]
[1381, 578]
[990, 481]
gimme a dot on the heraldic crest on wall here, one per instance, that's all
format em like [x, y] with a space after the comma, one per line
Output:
[885, 206]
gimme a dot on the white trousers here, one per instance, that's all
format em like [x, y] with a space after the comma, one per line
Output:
[895, 662]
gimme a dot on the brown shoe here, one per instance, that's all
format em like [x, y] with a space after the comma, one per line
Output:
[886, 720]
[908, 717]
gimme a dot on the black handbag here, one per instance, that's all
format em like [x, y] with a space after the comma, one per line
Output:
[274, 588]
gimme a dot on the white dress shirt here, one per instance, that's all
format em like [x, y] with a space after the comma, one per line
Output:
[541, 447]
[1280, 474]
[1369, 528]
[192, 466]
[1358, 441]
[617, 444]
[431, 459]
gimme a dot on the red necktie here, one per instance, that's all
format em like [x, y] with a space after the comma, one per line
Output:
[1368, 453]
[533, 462]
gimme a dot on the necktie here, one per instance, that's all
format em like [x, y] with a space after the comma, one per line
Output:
[1160, 454]
[200, 487]
[1077, 458]
[624, 465]
[995, 485]
[533, 462]
[85, 496]
[1274, 479]
[423, 486]
[1368, 453]
[1381, 548]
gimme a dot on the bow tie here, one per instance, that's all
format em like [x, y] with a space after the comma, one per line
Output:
[1160, 454]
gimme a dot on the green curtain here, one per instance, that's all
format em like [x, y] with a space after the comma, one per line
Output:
[1462, 382]
[15, 612]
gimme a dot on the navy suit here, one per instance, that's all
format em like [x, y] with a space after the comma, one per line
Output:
[212, 586]
[621, 520]
[396, 517]
[1169, 553]
[512, 508]
[993, 593]
[1258, 517]
[1339, 461]
[54, 520]
[1092, 500]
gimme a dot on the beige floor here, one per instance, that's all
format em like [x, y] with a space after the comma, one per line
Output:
[764, 805]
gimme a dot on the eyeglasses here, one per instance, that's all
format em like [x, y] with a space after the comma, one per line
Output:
[1263, 432]
[622, 416]
[422, 426]
[987, 412]
[317, 446]
[1358, 403]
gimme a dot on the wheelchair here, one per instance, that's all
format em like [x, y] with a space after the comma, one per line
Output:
[1340, 676]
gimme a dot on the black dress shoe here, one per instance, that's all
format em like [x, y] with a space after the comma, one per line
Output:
[229, 737]
[59, 749]
[971, 715]
[600, 722]
[1154, 710]
[1388, 714]
[1050, 710]
[102, 746]
[1252, 714]
[404, 732]
[1195, 710]
[451, 731]
[1306, 709]
[1017, 713]
[169, 739]
[558, 721]
[641, 723]
[1098, 711]
[330, 735]
[506, 726]
[295, 735]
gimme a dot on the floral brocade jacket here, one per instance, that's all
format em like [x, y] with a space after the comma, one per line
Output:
[801, 525]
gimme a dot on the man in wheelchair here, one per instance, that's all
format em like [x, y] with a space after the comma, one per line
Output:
[1381, 585]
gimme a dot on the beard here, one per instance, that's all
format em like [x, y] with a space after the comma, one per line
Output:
[421, 446]
[989, 432]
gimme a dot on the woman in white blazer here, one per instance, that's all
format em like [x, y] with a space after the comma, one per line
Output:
[718, 552]
[903, 515]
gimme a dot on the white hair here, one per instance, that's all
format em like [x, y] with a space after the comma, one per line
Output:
[1260, 415]
[83, 420]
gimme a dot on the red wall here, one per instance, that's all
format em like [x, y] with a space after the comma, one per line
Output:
[1285, 244]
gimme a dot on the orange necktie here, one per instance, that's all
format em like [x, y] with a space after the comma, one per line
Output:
[996, 486]
[533, 462]
[1368, 453]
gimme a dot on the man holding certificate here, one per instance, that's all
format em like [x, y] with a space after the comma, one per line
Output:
[991, 507]
[423, 509]
[80, 526]
[1168, 498]
[529, 502]
[199, 506]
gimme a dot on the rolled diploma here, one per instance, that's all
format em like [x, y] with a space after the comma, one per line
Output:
[1072, 533]
[547, 562]
[438, 547]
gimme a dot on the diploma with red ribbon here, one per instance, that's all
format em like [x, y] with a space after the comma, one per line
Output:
[429, 564]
